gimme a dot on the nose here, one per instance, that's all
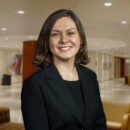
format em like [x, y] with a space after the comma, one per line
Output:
[63, 39]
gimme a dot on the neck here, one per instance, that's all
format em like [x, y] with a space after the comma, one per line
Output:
[67, 70]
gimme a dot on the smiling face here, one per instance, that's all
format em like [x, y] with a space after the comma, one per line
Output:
[64, 39]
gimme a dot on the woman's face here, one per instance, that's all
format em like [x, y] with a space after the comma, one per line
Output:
[64, 39]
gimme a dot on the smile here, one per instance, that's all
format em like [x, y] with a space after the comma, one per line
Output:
[64, 49]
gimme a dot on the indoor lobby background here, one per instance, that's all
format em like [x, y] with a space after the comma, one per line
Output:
[107, 27]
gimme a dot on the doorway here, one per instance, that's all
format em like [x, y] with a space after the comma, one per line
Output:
[119, 67]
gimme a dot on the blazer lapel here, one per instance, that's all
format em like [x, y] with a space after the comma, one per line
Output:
[88, 96]
[56, 83]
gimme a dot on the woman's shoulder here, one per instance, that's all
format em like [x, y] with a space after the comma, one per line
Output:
[38, 75]
[87, 71]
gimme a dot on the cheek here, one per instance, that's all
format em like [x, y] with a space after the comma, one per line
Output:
[53, 46]
[76, 41]
[54, 41]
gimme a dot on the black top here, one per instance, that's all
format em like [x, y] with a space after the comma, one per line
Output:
[75, 89]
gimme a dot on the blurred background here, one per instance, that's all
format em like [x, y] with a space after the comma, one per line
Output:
[107, 25]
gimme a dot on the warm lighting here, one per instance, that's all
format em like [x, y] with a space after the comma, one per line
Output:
[4, 29]
[20, 12]
[6, 38]
[30, 37]
[105, 46]
[123, 22]
[97, 44]
[108, 4]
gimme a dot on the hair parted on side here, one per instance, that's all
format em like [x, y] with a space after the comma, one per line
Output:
[43, 55]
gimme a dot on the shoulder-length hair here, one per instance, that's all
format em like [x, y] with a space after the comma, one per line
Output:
[43, 55]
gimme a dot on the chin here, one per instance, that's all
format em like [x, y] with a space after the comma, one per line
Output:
[66, 58]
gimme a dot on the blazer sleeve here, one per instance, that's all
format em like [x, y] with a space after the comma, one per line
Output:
[101, 119]
[33, 107]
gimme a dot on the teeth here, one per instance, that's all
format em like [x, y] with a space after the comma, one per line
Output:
[65, 48]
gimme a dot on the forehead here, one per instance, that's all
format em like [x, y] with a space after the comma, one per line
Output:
[64, 23]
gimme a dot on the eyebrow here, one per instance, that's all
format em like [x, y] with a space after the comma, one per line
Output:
[67, 29]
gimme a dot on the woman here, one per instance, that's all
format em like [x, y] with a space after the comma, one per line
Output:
[62, 95]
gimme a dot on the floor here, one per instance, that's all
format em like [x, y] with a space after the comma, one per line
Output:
[114, 90]
[10, 97]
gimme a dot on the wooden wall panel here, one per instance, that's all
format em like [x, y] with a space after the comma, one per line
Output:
[29, 48]
[122, 67]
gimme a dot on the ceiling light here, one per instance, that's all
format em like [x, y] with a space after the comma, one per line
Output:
[20, 12]
[108, 4]
[123, 22]
[4, 29]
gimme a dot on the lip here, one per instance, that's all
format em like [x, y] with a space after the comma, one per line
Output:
[65, 48]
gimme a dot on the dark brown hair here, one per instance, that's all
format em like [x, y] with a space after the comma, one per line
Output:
[43, 55]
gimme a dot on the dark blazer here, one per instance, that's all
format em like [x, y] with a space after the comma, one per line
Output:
[47, 103]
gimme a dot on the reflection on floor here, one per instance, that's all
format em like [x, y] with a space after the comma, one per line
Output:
[114, 90]
[10, 97]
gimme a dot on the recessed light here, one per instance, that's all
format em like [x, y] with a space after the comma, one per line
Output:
[108, 4]
[20, 12]
[123, 22]
[4, 29]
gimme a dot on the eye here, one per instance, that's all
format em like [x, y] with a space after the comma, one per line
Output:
[70, 33]
[54, 34]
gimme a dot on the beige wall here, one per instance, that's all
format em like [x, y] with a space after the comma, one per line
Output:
[97, 61]
[127, 66]
[111, 72]
[95, 58]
